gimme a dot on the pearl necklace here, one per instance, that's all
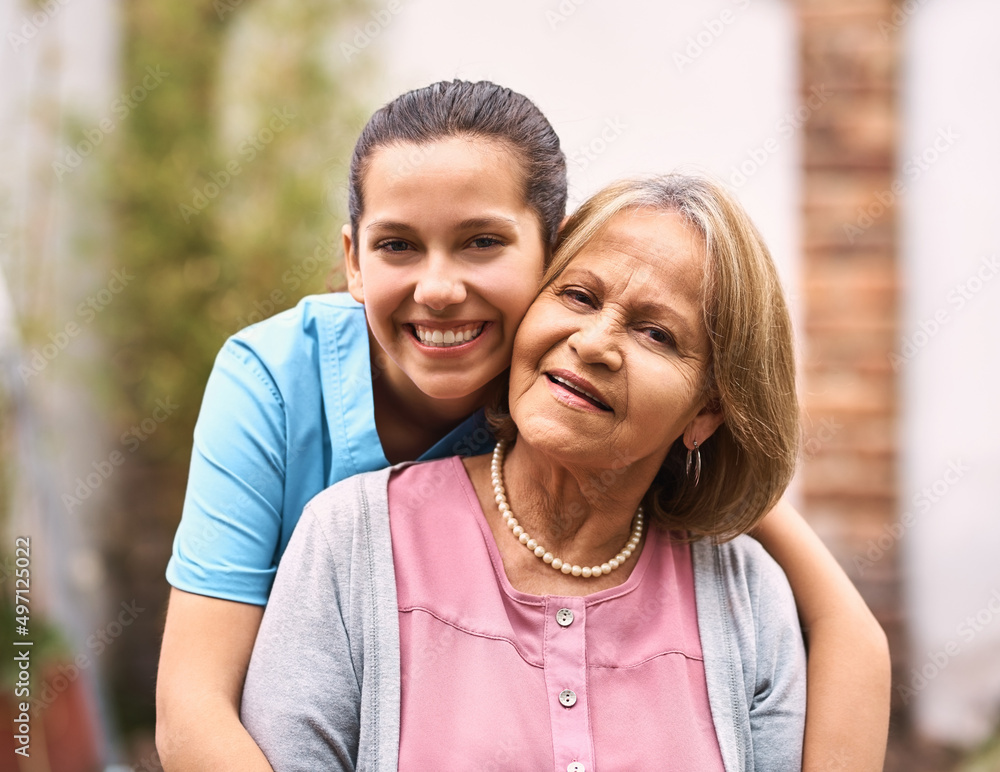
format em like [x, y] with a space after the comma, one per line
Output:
[496, 470]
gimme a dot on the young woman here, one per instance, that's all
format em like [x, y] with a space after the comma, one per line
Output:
[457, 192]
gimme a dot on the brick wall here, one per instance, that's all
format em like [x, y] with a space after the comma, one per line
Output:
[850, 288]
[850, 276]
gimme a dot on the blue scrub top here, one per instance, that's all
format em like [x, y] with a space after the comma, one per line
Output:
[288, 411]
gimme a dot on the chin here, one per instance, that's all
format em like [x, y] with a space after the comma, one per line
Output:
[446, 389]
[553, 437]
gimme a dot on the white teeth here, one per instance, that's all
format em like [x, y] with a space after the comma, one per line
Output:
[445, 338]
[576, 388]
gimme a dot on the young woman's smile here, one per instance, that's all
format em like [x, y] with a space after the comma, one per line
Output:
[448, 259]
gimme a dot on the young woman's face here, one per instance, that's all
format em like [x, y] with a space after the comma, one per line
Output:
[448, 259]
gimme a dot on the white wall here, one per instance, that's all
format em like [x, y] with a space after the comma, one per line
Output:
[620, 67]
[710, 85]
[949, 365]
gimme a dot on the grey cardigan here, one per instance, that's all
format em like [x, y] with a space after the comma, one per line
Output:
[322, 690]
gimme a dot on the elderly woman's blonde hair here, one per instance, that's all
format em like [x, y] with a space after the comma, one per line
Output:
[749, 460]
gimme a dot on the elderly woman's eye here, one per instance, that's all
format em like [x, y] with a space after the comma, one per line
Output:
[659, 336]
[577, 296]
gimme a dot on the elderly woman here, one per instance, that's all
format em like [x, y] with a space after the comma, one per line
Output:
[583, 598]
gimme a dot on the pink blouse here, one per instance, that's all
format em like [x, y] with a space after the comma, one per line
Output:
[497, 679]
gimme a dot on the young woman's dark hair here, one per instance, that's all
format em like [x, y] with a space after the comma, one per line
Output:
[475, 110]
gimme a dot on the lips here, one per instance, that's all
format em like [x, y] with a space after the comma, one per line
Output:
[446, 337]
[578, 386]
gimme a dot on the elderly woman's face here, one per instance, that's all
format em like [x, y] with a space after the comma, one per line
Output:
[610, 360]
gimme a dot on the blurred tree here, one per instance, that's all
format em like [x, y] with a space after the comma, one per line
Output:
[219, 219]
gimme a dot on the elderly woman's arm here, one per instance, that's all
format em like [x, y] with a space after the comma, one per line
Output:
[848, 672]
[322, 689]
[302, 697]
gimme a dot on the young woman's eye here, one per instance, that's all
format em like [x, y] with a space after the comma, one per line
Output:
[392, 245]
[485, 242]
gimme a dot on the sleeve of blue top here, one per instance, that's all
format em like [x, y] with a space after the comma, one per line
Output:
[778, 708]
[231, 523]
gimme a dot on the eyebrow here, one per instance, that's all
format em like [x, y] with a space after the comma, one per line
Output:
[388, 225]
[469, 224]
[487, 222]
[658, 309]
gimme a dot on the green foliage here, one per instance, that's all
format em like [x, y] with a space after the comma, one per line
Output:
[986, 759]
[219, 217]
[218, 190]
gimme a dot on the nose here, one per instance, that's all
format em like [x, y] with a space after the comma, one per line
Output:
[598, 341]
[440, 283]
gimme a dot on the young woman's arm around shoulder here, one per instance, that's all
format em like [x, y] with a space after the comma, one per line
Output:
[203, 662]
[224, 547]
[848, 693]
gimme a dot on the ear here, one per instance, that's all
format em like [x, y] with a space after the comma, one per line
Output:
[703, 425]
[562, 225]
[352, 262]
